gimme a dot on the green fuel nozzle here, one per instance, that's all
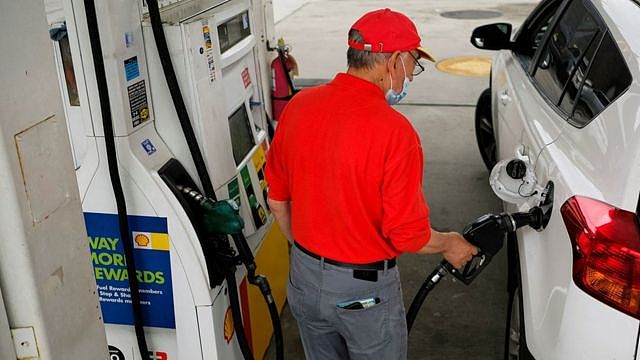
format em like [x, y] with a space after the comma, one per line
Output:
[218, 217]
[221, 217]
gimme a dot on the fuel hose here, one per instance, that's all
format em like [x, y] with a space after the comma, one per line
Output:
[430, 282]
[203, 174]
[194, 149]
[246, 256]
[112, 160]
[235, 313]
[221, 218]
[178, 100]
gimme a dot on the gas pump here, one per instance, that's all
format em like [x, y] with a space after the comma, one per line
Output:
[218, 53]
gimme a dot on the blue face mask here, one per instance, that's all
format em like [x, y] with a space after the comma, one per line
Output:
[393, 97]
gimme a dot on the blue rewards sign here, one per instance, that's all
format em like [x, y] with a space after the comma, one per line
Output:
[153, 267]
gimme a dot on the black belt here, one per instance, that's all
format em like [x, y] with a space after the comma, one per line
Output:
[378, 265]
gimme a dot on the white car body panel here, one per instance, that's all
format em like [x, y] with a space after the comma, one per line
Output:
[600, 161]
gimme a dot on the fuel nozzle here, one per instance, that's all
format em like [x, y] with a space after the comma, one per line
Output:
[488, 233]
[532, 218]
[223, 218]
[218, 217]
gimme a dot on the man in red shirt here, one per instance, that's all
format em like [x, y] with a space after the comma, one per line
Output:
[345, 184]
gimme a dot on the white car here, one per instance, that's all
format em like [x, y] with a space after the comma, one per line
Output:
[565, 95]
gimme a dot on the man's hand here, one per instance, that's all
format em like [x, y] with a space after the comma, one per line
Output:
[455, 249]
[458, 250]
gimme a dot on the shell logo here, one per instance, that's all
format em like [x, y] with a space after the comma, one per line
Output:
[142, 240]
[228, 326]
[144, 113]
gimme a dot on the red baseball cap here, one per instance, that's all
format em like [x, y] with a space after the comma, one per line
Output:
[386, 31]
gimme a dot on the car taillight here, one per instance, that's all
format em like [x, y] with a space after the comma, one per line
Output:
[606, 252]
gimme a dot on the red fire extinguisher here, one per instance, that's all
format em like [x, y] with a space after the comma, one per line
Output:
[283, 67]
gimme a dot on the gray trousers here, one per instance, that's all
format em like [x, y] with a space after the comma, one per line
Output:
[329, 332]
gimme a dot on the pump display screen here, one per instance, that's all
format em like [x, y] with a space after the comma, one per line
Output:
[241, 137]
[233, 31]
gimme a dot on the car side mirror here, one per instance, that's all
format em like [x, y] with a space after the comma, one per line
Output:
[492, 37]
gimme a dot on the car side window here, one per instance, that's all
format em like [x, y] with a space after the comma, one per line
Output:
[533, 31]
[566, 55]
[608, 78]
[580, 70]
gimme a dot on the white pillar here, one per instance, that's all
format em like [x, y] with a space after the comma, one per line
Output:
[45, 271]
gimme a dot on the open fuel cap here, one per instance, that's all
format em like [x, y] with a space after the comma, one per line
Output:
[516, 168]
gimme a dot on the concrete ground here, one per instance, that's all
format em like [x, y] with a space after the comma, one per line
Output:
[456, 321]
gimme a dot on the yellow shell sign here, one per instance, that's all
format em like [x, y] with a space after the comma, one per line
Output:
[141, 240]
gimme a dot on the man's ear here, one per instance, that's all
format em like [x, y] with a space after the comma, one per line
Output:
[392, 62]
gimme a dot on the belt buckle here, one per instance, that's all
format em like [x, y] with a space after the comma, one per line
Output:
[366, 275]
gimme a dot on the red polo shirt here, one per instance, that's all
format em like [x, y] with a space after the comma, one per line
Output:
[351, 166]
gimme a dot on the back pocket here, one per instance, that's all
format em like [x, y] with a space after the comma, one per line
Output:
[295, 298]
[366, 328]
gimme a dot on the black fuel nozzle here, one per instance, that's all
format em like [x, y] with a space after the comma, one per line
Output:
[488, 233]
[532, 218]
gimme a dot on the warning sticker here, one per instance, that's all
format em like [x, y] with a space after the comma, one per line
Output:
[246, 78]
[131, 68]
[208, 50]
[153, 269]
[138, 103]
[147, 145]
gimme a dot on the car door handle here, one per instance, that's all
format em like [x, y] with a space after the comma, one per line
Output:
[504, 97]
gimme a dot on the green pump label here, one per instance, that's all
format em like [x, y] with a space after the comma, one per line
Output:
[234, 191]
[257, 211]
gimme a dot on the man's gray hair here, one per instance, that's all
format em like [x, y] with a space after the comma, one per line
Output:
[362, 59]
